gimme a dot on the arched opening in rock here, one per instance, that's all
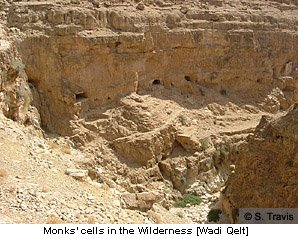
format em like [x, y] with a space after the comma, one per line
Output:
[81, 96]
[156, 82]
[187, 78]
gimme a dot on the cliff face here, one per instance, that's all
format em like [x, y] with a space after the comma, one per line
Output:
[88, 54]
[15, 95]
[266, 172]
[158, 98]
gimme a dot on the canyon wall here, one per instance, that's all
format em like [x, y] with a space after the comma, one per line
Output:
[163, 97]
[88, 54]
[15, 94]
[266, 171]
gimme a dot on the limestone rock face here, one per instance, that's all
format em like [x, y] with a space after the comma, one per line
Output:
[15, 94]
[266, 172]
[152, 99]
[110, 49]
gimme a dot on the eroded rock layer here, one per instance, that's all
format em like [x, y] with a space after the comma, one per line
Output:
[86, 54]
[266, 172]
[152, 100]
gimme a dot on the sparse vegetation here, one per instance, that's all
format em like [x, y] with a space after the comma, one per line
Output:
[225, 149]
[181, 119]
[225, 154]
[289, 163]
[126, 125]
[158, 158]
[18, 68]
[235, 149]
[223, 92]
[22, 74]
[204, 143]
[189, 199]
[18, 65]
[183, 180]
[216, 154]
[214, 215]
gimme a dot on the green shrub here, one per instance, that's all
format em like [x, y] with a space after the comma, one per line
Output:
[204, 143]
[27, 100]
[214, 215]
[183, 180]
[223, 92]
[181, 118]
[158, 158]
[224, 153]
[179, 214]
[189, 199]
[18, 65]
[22, 74]
[216, 154]
[235, 149]
[229, 145]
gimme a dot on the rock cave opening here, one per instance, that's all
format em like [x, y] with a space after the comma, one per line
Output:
[81, 96]
[156, 82]
[187, 78]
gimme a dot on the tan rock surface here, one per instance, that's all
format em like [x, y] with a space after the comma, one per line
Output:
[144, 101]
[265, 174]
[110, 50]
